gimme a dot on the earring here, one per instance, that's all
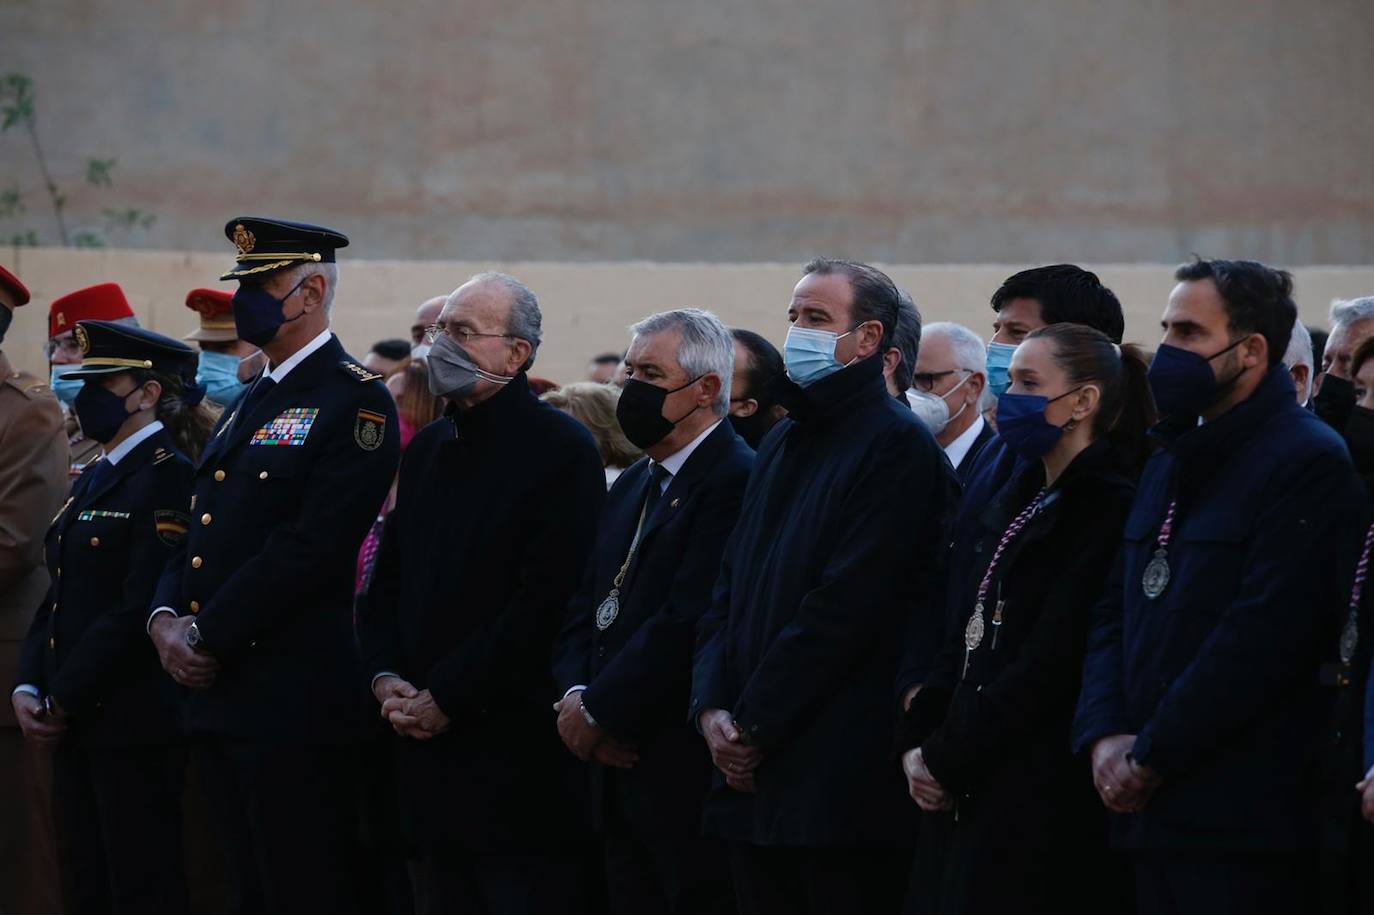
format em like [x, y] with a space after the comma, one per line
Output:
[1071, 425]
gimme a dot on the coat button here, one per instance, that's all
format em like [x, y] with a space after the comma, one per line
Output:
[196, 562]
[52, 643]
[195, 606]
[219, 476]
[95, 541]
[263, 475]
[205, 518]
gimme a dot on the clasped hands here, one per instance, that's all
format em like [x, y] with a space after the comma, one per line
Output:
[1124, 785]
[44, 723]
[588, 742]
[736, 760]
[411, 712]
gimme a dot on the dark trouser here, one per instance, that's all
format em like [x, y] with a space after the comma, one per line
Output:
[864, 880]
[288, 822]
[652, 875]
[29, 880]
[118, 816]
[454, 881]
[1208, 883]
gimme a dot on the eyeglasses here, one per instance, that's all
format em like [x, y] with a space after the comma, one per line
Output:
[925, 381]
[435, 331]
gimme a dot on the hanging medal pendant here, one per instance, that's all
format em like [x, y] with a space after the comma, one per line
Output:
[608, 611]
[973, 632]
[1350, 639]
[1156, 577]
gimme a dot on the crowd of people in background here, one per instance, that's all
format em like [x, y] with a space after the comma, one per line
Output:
[891, 619]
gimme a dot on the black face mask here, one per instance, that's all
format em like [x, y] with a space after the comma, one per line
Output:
[1335, 401]
[640, 412]
[1359, 438]
[754, 427]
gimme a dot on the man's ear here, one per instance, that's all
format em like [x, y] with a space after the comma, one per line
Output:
[312, 291]
[520, 354]
[744, 408]
[891, 359]
[710, 390]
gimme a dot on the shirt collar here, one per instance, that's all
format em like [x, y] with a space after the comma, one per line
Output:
[957, 449]
[133, 441]
[279, 373]
[673, 462]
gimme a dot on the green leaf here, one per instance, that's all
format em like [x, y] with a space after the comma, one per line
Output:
[11, 201]
[98, 172]
[27, 239]
[88, 238]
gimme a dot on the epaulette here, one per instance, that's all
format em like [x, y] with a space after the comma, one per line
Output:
[357, 372]
[162, 454]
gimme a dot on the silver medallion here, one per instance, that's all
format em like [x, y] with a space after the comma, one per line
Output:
[973, 632]
[609, 610]
[1156, 577]
[1350, 639]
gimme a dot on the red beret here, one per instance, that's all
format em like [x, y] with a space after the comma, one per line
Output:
[215, 307]
[104, 302]
[11, 282]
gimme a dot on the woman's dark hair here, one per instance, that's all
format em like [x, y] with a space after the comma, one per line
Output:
[1127, 409]
[416, 403]
[188, 418]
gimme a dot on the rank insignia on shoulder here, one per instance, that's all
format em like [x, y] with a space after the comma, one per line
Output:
[368, 430]
[162, 454]
[171, 526]
[357, 372]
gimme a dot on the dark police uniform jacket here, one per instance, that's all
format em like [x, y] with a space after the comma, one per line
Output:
[834, 553]
[495, 516]
[283, 498]
[1218, 676]
[105, 551]
[638, 671]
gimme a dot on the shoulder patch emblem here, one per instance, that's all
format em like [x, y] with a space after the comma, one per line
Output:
[357, 372]
[369, 430]
[171, 526]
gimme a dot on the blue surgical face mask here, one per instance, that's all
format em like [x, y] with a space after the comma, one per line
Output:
[1183, 382]
[258, 314]
[219, 373]
[999, 364]
[1021, 423]
[65, 388]
[809, 354]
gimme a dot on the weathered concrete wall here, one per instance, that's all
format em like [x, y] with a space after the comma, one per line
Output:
[910, 131]
[587, 307]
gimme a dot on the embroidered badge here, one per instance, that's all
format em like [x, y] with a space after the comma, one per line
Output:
[243, 239]
[367, 431]
[171, 526]
[290, 427]
[92, 515]
[82, 340]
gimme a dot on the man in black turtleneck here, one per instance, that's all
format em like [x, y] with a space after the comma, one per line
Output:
[795, 663]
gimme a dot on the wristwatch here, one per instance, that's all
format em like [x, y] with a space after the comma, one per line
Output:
[193, 635]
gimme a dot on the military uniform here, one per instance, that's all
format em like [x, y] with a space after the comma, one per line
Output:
[117, 771]
[287, 487]
[33, 483]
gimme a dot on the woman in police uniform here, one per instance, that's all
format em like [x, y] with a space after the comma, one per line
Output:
[90, 684]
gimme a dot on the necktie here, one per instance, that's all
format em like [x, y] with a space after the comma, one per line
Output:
[657, 474]
[97, 472]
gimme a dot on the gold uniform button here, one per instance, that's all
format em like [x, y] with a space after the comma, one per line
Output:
[263, 475]
[95, 541]
[219, 476]
[205, 518]
[195, 606]
[196, 562]
[52, 643]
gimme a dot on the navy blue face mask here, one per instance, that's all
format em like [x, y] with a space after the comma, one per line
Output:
[258, 314]
[101, 412]
[1183, 382]
[1022, 425]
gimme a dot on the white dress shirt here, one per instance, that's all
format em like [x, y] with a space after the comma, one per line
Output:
[957, 449]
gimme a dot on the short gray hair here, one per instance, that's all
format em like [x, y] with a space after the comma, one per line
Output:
[706, 347]
[1351, 311]
[330, 272]
[1299, 352]
[525, 320]
[970, 353]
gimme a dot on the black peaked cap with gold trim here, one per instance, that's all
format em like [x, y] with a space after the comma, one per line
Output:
[268, 245]
[107, 347]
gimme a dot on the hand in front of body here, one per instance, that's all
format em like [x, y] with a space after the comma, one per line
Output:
[418, 716]
[1124, 785]
[589, 741]
[735, 759]
[1366, 789]
[928, 793]
[35, 721]
[191, 667]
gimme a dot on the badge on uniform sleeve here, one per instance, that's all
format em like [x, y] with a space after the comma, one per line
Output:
[368, 429]
[289, 427]
[171, 526]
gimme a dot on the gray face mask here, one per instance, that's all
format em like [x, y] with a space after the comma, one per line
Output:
[452, 373]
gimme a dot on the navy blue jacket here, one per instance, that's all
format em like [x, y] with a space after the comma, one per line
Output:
[105, 550]
[283, 498]
[638, 672]
[833, 555]
[495, 516]
[1218, 677]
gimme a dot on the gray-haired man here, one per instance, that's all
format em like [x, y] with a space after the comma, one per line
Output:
[624, 661]
[1352, 322]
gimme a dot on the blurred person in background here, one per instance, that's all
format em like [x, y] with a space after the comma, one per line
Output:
[1352, 322]
[900, 359]
[602, 369]
[386, 356]
[754, 409]
[1298, 358]
[948, 386]
[593, 404]
[425, 316]
[226, 363]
